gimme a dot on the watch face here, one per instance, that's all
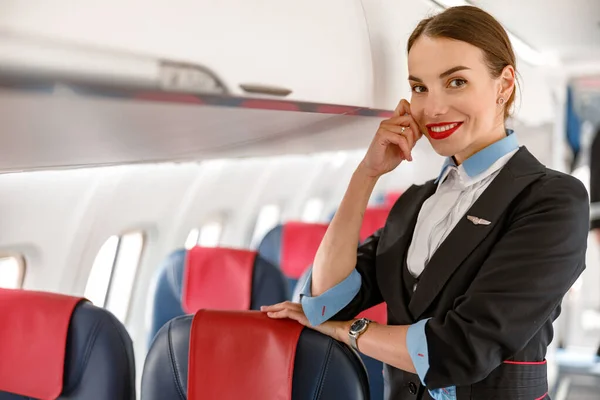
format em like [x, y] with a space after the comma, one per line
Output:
[358, 326]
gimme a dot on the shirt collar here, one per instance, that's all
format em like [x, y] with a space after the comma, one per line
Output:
[483, 159]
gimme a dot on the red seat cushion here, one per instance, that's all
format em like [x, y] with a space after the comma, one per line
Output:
[217, 278]
[33, 341]
[300, 243]
[241, 355]
[373, 220]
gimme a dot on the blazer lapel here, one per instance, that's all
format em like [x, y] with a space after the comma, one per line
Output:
[521, 170]
[392, 248]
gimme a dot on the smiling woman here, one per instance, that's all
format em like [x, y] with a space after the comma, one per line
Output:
[473, 265]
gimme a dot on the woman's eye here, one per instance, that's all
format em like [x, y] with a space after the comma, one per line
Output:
[457, 82]
[419, 89]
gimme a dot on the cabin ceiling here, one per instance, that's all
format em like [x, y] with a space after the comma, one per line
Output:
[571, 29]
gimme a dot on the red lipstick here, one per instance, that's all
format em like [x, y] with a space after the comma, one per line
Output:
[444, 133]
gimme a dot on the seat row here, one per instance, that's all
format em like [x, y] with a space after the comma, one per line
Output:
[231, 279]
[55, 346]
[205, 338]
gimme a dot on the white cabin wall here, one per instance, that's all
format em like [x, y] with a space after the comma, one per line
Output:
[390, 23]
[41, 214]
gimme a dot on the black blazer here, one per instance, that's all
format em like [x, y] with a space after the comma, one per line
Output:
[492, 291]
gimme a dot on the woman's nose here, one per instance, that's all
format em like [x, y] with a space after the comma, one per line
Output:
[434, 106]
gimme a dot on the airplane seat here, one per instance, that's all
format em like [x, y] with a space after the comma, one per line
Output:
[292, 246]
[218, 278]
[374, 367]
[166, 303]
[200, 357]
[374, 219]
[55, 346]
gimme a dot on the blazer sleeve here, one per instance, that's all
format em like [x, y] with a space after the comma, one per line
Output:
[518, 287]
[368, 295]
[347, 299]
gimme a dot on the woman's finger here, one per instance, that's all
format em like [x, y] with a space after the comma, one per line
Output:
[289, 314]
[405, 120]
[406, 132]
[402, 108]
[281, 306]
[274, 307]
[400, 141]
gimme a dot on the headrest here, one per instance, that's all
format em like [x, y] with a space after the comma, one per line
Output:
[293, 246]
[373, 220]
[33, 341]
[258, 355]
[269, 286]
[217, 278]
[320, 367]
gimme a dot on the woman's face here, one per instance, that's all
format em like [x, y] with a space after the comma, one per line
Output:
[454, 97]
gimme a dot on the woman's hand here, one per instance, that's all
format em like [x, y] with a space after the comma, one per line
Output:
[393, 142]
[335, 329]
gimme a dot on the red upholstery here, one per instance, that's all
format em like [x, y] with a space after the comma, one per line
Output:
[217, 278]
[33, 344]
[254, 361]
[374, 219]
[391, 198]
[300, 243]
[377, 313]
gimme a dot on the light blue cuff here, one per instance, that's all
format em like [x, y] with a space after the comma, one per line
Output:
[416, 343]
[320, 308]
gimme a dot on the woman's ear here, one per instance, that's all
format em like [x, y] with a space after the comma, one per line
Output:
[507, 82]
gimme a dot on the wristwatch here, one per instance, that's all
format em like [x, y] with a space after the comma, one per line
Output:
[357, 328]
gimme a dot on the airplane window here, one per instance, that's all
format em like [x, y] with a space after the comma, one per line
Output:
[268, 218]
[99, 278]
[192, 239]
[210, 234]
[124, 273]
[113, 273]
[313, 210]
[12, 272]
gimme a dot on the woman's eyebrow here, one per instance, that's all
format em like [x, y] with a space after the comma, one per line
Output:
[442, 75]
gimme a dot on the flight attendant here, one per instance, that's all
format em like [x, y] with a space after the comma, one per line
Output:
[473, 264]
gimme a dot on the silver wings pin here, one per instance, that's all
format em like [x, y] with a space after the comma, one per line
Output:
[477, 220]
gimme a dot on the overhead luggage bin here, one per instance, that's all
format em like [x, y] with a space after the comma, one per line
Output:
[310, 51]
[67, 106]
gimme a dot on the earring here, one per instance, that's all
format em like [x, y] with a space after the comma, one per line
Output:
[500, 101]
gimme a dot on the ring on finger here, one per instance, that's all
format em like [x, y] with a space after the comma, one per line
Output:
[402, 130]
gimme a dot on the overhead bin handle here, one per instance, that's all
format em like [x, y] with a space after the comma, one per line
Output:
[258, 88]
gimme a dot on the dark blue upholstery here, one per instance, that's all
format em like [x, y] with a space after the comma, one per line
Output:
[99, 362]
[270, 250]
[269, 286]
[374, 367]
[270, 247]
[323, 367]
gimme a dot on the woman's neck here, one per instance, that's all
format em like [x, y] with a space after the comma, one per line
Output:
[494, 136]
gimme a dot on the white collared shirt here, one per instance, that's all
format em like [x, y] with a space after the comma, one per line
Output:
[439, 214]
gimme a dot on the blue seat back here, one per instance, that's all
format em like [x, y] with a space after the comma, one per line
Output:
[268, 287]
[292, 247]
[374, 367]
[323, 367]
[99, 361]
